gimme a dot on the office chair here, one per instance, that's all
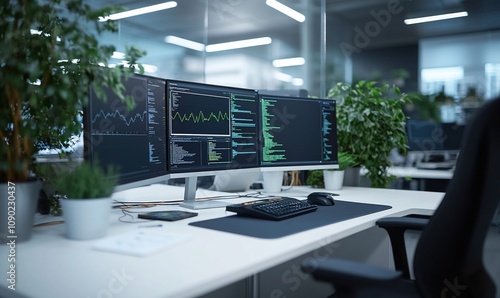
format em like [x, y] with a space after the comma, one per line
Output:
[448, 259]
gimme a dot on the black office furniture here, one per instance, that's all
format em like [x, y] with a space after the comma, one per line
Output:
[448, 260]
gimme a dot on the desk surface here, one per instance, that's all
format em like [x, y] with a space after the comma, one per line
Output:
[50, 265]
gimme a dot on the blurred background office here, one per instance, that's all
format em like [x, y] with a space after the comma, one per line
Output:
[311, 45]
[299, 47]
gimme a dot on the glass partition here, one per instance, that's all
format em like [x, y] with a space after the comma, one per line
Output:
[189, 40]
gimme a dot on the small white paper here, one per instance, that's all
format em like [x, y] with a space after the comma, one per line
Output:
[139, 243]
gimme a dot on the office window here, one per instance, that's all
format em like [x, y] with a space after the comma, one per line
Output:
[447, 79]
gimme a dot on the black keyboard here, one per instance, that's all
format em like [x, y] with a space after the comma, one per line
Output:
[274, 208]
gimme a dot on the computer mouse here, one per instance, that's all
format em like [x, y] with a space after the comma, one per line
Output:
[321, 198]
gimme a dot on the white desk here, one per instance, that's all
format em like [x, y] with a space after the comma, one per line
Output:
[49, 265]
[411, 172]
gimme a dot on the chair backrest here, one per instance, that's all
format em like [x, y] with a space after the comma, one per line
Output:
[448, 259]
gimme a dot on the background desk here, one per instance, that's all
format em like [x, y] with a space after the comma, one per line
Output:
[429, 180]
[419, 179]
[49, 265]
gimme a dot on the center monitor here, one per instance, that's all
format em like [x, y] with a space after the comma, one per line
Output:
[211, 129]
[297, 133]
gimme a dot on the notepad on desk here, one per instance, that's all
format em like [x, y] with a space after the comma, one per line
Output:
[139, 243]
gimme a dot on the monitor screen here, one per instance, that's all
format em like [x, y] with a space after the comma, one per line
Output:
[211, 128]
[431, 136]
[133, 141]
[299, 133]
[452, 136]
[424, 135]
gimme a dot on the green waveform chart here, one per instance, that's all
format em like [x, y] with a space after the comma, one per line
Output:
[199, 116]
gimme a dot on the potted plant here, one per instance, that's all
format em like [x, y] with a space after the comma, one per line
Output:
[50, 55]
[334, 178]
[315, 179]
[86, 201]
[370, 123]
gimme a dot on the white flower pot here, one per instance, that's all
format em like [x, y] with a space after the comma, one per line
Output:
[86, 219]
[18, 204]
[333, 179]
[272, 181]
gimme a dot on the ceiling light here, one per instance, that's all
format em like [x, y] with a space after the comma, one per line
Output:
[286, 10]
[436, 18]
[118, 55]
[37, 32]
[238, 44]
[193, 45]
[289, 62]
[297, 82]
[283, 77]
[147, 67]
[139, 11]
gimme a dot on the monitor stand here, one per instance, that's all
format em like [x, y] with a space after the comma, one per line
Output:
[190, 197]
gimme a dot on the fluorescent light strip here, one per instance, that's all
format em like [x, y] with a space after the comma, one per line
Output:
[118, 55]
[286, 10]
[238, 44]
[297, 82]
[436, 18]
[186, 43]
[139, 11]
[283, 77]
[289, 62]
[288, 78]
[147, 67]
[37, 32]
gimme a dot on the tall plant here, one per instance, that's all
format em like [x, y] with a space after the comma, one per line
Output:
[370, 123]
[50, 56]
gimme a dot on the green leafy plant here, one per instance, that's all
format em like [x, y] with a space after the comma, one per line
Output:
[50, 56]
[425, 107]
[87, 181]
[370, 123]
[315, 179]
[345, 160]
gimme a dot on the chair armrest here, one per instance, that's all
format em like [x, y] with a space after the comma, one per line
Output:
[404, 223]
[396, 228]
[348, 275]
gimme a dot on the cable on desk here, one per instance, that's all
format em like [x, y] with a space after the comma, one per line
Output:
[127, 213]
[49, 223]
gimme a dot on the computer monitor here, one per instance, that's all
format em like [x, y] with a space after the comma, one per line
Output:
[431, 136]
[424, 136]
[211, 129]
[297, 133]
[133, 141]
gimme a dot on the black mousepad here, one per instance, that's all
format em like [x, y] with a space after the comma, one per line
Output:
[269, 229]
